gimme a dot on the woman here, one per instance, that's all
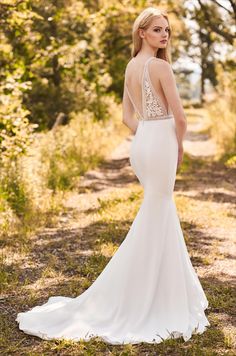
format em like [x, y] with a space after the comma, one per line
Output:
[149, 290]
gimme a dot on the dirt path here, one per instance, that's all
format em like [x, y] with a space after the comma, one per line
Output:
[64, 260]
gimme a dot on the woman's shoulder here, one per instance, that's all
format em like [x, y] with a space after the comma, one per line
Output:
[160, 63]
[157, 66]
[160, 68]
[128, 65]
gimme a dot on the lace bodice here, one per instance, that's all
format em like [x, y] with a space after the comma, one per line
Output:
[152, 105]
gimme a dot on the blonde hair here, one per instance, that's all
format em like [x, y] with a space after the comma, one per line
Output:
[143, 21]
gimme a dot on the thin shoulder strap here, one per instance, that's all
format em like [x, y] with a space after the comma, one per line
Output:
[130, 97]
[147, 61]
[145, 68]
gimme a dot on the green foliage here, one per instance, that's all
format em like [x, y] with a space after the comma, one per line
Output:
[57, 51]
[13, 190]
[15, 129]
[52, 61]
[231, 162]
[15, 137]
[32, 184]
[70, 151]
[71, 53]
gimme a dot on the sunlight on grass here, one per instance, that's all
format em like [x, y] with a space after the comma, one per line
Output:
[208, 211]
[108, 249]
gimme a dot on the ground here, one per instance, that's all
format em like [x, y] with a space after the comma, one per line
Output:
[66, 257]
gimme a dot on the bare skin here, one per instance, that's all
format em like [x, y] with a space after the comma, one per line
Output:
[154, 37]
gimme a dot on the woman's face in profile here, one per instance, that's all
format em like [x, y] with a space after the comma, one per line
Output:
[157, 34]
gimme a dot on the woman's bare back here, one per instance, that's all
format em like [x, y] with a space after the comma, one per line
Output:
[141, 78]
[161, 87]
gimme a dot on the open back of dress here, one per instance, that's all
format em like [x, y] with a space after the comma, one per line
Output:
[147, 103]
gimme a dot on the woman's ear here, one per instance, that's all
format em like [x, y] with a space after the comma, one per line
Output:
[141, 33]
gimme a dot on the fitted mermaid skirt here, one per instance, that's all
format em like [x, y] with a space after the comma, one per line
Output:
[149, 290]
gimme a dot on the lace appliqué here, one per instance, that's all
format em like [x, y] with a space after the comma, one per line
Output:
[153, 107]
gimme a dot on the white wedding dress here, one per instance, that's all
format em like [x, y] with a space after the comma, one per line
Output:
[149, 290]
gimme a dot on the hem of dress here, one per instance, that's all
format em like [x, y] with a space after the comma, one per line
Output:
[199, 328]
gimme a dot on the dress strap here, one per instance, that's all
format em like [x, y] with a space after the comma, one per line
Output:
[135, 107]
[143, 93]
[147, 61]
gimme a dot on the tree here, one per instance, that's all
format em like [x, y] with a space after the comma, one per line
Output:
[215, 22]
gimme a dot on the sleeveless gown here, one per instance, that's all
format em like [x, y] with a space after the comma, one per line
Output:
[149, 290]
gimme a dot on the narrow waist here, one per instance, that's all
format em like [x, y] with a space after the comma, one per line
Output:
[157, 118]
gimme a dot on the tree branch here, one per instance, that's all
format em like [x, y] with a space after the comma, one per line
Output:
[233, 4]
[220, 5]
[226, 35]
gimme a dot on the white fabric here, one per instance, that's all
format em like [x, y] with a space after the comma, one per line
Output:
[149, 290]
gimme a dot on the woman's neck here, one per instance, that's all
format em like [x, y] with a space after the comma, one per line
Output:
[148, 52]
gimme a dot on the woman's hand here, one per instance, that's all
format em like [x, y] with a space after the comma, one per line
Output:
[180, 155]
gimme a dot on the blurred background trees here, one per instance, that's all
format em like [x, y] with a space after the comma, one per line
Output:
[213, 36]
[70, 55]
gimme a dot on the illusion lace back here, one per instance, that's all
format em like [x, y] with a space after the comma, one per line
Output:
[149, 290]
[152, 106]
